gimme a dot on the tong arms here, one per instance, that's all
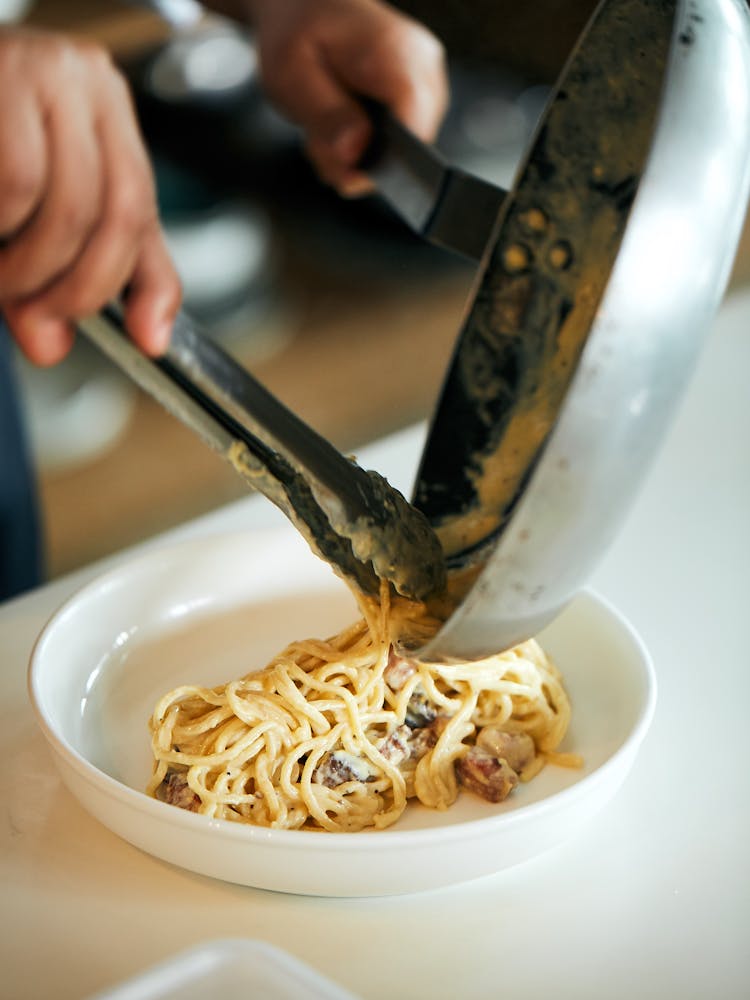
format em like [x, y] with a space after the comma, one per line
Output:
[352, 518]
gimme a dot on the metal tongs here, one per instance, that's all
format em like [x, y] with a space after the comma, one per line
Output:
[352, 518]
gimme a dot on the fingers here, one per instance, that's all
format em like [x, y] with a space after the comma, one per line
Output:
[402, 65]
[55, 233]
[153, 295]
[23, 166]
[45, 342]
[83, 225]
[337, 128]
[403, 68]
[319, 56]
[125, 231]
[151, 303]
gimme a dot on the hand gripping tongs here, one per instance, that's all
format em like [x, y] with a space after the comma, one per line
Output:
[352, 518]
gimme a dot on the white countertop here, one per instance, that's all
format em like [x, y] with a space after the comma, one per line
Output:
[651, 899]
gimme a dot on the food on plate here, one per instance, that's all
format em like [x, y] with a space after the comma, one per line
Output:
[339, 734]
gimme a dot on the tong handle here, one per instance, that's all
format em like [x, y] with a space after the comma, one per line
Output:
[106, 330]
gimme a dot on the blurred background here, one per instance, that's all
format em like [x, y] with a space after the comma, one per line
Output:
[342, 313]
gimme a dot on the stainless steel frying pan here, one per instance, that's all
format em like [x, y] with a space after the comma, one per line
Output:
[601, 276]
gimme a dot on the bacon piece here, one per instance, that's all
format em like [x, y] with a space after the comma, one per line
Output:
[396, 747]
[175, 790]
[339, 767]
[481, 772]
[405, 746]
[421, 742]
[398, 671]
[424, 739]
[420, 711]
[517, 749]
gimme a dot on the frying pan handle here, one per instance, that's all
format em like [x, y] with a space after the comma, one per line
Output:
[406, 172]
[445, 205]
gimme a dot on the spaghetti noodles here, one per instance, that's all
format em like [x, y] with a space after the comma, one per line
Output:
[339, 734]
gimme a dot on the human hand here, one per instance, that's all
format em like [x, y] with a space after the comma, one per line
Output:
[317, 55]
[78, 217]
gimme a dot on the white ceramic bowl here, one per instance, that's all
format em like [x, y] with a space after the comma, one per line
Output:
[214, 608]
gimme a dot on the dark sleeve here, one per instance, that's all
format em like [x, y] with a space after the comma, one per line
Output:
[20, 536]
